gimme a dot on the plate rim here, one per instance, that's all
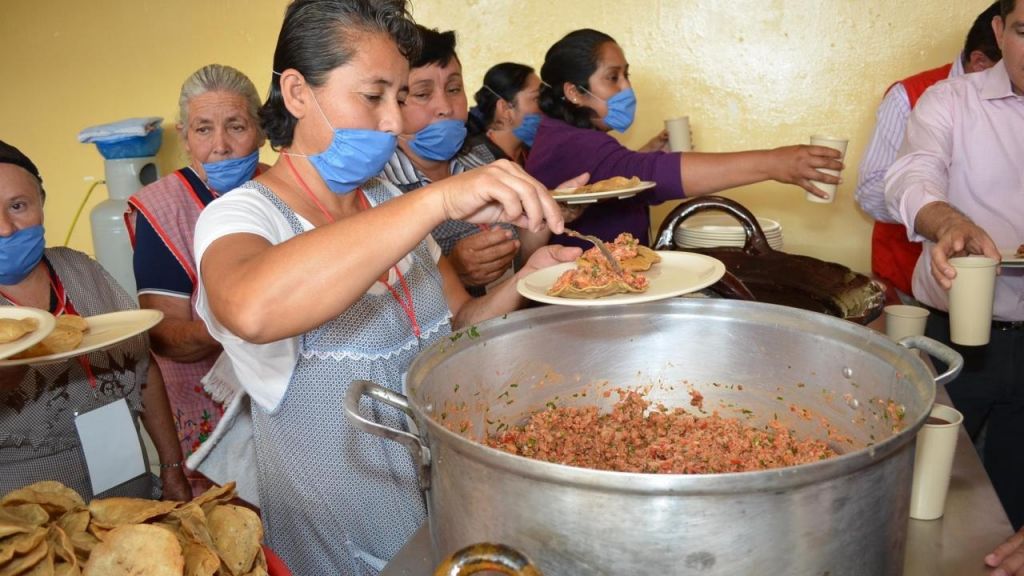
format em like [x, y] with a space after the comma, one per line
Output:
[47, 323]
[590, 197]
[718, 270]
[1010, 259]
[155, 316]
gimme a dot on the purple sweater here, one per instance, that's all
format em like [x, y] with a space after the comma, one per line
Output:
[562, 151]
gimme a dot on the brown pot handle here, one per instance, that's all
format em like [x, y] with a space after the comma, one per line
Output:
[756, 242]
[487, 557]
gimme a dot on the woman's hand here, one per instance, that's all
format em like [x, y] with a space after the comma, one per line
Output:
[657, 144]
[1008, 557]
[483, 257]
[500, 192]
[571, 212]
[550, 255]
[799, 165]
[175, 484]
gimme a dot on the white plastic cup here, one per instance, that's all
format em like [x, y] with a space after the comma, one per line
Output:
[902, 321]
[933, 463]
[970, 300]
[679, 134]
[830, 189]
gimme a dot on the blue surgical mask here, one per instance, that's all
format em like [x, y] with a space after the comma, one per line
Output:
[440, 140]
[621, 109]
[353, 157]
[226, 175]
[527, 129]
[20, 253]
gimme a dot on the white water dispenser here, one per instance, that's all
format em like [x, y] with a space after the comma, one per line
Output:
[129, 164]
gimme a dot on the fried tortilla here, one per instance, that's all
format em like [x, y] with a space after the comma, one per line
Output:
[65, 337]
[607, 185]
[11, 329]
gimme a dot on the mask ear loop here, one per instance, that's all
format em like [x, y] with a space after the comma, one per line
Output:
[510, 103]
[322, 115]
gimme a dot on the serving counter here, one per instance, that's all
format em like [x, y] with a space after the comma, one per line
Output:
[954, 545]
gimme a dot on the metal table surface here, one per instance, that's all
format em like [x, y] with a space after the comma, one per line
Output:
[954, 545]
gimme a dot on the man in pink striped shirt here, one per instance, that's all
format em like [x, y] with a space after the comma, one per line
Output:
[959, 186]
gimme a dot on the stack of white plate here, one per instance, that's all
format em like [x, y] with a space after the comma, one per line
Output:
[711, 230]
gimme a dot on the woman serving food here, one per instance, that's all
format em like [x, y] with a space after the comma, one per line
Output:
[317, 273]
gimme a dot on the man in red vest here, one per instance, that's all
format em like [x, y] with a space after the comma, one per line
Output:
[893, 256]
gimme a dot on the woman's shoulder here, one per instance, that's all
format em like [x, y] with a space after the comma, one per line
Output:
[253, 208]
[70, 255]
[166, 185]
[379, 189]
[556, 133]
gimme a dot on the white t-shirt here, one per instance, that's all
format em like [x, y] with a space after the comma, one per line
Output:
[264, 370]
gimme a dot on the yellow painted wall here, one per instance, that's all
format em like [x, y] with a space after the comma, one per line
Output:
[749, 73]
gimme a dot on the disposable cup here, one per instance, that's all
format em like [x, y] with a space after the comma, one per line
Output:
[902, 321]
[830, 189]
[970, 300]
[933, 463]
[679, 134]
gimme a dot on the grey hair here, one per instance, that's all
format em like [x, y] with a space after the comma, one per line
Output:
[217, 77]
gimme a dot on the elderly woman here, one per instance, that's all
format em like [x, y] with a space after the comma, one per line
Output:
[506, 115]
[317, 273]
[220, 131]
[586, 93]
[39, 403]
[431, 148]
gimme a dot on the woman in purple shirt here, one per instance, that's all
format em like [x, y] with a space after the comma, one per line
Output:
[586, 92]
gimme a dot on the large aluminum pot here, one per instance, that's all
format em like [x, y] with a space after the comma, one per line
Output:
[845, 515]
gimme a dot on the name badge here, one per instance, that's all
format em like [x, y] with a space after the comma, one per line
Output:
[110, 441]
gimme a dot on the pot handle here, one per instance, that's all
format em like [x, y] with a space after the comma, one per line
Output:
[951, 358]
[420, 452]
[756, 242]
[487, 557]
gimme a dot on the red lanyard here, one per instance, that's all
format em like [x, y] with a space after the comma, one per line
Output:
[407, 304]
[64, 306]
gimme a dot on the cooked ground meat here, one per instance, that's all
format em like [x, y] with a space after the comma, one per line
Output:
[632, 438]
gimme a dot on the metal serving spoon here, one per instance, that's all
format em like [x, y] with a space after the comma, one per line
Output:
[612, 260]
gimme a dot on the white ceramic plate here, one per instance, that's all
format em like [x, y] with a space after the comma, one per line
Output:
[565, 194]
[105, 330]
[46, 324]
[1010, 259]
[678, 273]
[724, 223]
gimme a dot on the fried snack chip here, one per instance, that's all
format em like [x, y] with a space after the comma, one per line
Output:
[46, 529]
[200, 560]
[19, 545]
[112, 512]
[21, 518]
[54, 497]
[11, 329]
[215, 495]
[62, 339]
[136, 549]
[61, 546]
[606, 185]
[34, 551]
[643, 261]
[73, 321]
[237, 533]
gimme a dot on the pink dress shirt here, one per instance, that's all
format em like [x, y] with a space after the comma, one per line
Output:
[965, 146]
